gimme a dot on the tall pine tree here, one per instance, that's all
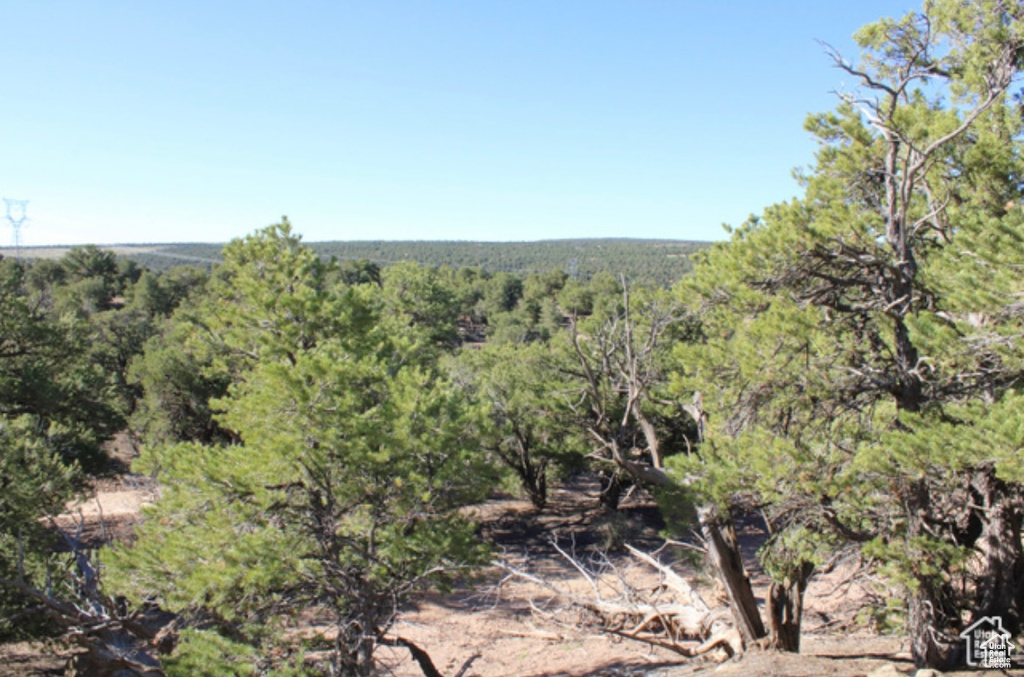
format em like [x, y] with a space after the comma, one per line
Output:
[863, 354]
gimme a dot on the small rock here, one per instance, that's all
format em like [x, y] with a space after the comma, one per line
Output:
[927, 672]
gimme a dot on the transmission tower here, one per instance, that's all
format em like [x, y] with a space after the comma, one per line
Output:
[16, 217]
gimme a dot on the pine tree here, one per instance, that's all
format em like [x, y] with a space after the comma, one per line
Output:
[523, 419]
[862, 343]
[341, 496]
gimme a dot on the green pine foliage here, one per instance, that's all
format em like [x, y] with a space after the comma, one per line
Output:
[849, 363]
[654, 262]
[523, 418]
[862, 342]
[35, 483]
[66, 343]
[342, 491]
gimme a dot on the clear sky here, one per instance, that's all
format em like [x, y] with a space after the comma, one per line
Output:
[175, 121]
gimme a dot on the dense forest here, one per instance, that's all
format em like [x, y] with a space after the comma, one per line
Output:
[649, 261]
[659, 262]
[846, 369]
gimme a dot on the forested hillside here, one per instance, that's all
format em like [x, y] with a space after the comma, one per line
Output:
[659, 262]
[651, 261]
[844, 376]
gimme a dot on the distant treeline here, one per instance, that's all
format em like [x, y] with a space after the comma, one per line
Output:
[659, 262]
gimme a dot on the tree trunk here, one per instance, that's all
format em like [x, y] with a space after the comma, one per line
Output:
[365, 666]
[785, 609]
[929, 646]
[534, 479]
[727, 559]
[612, 487]
[929, 614]
[999, 589]
[909, 392]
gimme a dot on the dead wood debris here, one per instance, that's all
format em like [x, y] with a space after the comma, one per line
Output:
[673, 615]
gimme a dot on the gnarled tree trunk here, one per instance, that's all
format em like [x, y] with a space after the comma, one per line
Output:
[999, 589]
[929, 646]
[785, 609]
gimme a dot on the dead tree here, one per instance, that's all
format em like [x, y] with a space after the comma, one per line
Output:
[616, 367]
[619, 367]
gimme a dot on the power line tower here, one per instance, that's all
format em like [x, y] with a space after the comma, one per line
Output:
[16, 217]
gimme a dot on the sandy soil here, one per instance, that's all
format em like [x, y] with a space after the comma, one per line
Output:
[114, 502]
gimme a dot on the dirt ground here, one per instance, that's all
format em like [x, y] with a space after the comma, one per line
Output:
[505, 625]
[515, 627]
[114, 502]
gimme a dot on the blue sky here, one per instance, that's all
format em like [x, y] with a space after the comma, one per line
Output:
[485, 120]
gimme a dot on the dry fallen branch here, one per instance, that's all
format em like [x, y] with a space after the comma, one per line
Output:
[672, 616]
[115, 638]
